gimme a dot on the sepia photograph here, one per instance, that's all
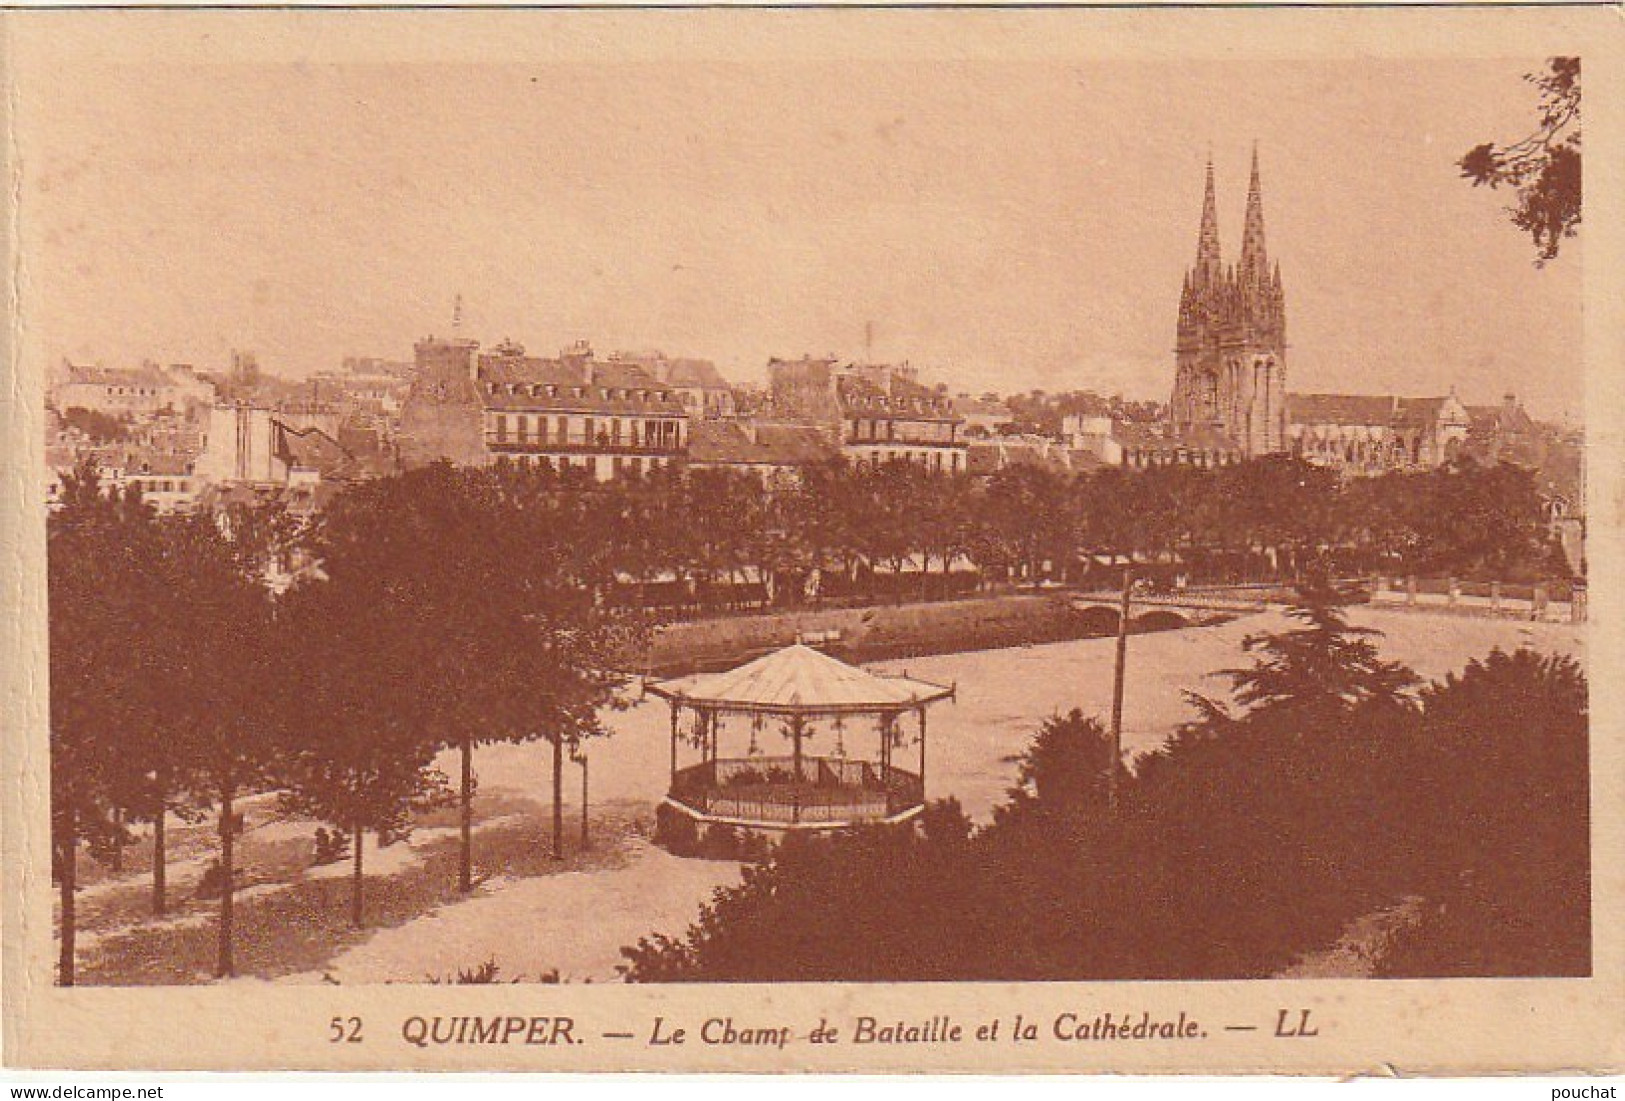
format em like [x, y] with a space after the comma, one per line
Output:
[737, 514]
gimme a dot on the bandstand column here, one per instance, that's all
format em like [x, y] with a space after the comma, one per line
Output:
[795, 745]
[674, 741]
[922, 753]
[796, 723]
[887, 725]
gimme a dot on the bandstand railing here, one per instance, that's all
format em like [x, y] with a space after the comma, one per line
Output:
[770, 791]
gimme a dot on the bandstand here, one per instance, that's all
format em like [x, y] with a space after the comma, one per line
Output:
[810, 700]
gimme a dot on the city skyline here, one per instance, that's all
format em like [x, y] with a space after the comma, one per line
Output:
[739, 212]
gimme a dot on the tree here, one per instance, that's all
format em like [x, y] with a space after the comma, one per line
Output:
[351, 755]
[1500, 810]
[235, 694]
[1543, 167]
[100, 427]
[1308, 678]
[492, 586]
[1063, 769]
[96, 618]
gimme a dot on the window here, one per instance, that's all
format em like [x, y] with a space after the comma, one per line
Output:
[586, 430]
[564, 429]
[615, 431]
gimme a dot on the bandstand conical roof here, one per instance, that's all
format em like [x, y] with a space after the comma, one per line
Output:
[799, 679]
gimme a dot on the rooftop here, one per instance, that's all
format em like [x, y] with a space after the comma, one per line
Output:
[758, 444]
[800, 680]
[606, 386]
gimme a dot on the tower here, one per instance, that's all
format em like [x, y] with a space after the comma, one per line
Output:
[1230, 347]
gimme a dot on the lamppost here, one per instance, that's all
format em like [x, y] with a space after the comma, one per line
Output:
[1117, 691]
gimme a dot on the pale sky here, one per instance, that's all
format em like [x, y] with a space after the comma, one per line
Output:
[1003, 226]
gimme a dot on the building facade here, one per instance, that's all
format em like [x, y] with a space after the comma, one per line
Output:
[886, 415]
[875, 413]
[442, 414]
[607, 417]
[1230, 350]
[1360, 434]
[698, 384]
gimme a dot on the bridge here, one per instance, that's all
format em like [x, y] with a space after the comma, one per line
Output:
[1190, 607]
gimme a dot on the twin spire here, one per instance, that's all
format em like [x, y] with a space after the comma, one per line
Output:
[1255, 264]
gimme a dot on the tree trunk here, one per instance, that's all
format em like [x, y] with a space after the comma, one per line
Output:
[357, 837]
[558, 797]
[160, 868]
[224, 966]
[67, 879]
[465, 861]
[117, 866]
[584, 825]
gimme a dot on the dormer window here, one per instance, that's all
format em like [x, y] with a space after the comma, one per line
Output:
[552, 391]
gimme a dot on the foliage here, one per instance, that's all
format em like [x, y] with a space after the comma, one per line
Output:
[1314, 676]
[1543, 168]
[100, 427]
[1508, 834]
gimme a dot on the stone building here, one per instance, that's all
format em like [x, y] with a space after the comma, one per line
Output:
[442, 416]
[1230, 351]
[696, 382]
[874, 412]
[608, 417]
[1371, 434]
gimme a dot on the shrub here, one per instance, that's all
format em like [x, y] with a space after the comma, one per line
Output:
[675, 831]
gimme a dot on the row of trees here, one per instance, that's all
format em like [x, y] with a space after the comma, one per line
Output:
[452, 609]
[897, 528]
[1330, 786]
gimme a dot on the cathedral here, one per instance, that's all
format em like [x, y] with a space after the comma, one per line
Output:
[1230, 353]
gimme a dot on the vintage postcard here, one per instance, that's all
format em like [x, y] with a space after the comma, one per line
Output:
[930, 540]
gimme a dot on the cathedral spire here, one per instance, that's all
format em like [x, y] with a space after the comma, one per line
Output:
[1254, 257]
[1207, 242]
